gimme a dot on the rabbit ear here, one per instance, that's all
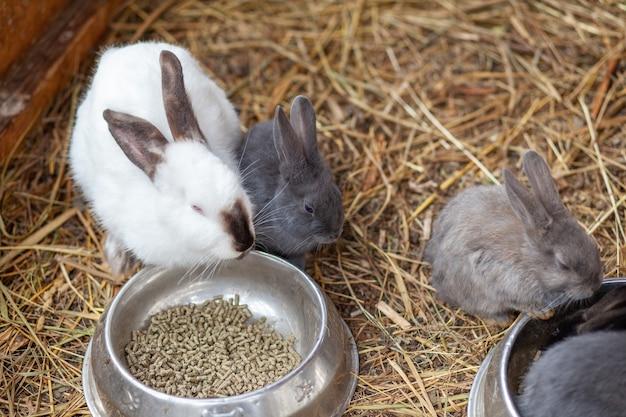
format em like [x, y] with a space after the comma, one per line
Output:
[302, 117]
[180, 115]
[288, 145]
[542, 183]
[140, 140]
[529, 211]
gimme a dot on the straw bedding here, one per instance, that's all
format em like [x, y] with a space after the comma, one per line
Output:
[415, 101]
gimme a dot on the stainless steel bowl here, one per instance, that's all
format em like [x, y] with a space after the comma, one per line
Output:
[322, 385]
[498, 379]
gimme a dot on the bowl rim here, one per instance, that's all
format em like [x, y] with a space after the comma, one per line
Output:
[507, 350]
[115, 359]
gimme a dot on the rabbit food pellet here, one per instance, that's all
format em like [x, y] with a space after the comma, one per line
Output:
[209, 350]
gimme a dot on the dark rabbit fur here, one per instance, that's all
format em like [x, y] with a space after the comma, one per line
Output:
[582, 376]
[499, 249]
[297, 204]
[609, 313]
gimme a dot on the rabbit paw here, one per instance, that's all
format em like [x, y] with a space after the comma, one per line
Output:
[542, 314]
[116, 256]
[499, 320]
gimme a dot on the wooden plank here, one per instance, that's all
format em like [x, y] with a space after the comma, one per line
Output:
[22, 23]
[30, 84]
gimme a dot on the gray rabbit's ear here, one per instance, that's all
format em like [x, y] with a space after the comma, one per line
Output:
[141, 141]
[288, 145]
[180, 115]
[542, 183]
[303, 121]
[527, 209]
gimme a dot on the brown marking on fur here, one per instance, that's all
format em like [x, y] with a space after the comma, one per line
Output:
[140, 140]
[180, 115]
[237, 224]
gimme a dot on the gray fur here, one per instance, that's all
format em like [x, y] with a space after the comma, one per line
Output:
[582, 376]
[609, 313]
[281, 169]
[498, 249]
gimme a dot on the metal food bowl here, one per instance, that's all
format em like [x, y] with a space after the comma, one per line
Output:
[498, 380]
[321, 386]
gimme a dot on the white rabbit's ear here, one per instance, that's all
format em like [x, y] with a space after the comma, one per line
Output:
[180, 115]
[542, 183]
[525, 206]
[140, 140]
[302, 117]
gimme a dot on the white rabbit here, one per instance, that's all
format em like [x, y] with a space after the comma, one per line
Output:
[140, 156]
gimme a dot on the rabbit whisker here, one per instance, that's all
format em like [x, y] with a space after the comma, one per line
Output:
[243, 152]
[208, 270]
[264, 221]
[248, 170]
[557, 302]
[300, 245]
[262, 246]
[267, 214]
[272, 200]
[275, 218]
[189, 272]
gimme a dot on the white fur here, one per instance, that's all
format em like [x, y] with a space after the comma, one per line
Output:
[154, 219]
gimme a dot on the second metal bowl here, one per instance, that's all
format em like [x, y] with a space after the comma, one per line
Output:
[498, 380]
[321, 386]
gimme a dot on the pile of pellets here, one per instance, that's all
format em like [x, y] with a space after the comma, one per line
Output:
[209, 350]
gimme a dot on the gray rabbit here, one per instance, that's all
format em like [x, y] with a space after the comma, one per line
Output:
[500, 249]
[582, 376]
[298, 205]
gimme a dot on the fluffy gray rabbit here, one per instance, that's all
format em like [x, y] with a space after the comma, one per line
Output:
[297, 203]
[499, 249]
[582, 376]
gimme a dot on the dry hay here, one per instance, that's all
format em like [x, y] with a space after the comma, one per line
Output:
[416, 100]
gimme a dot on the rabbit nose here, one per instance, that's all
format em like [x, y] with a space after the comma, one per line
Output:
[237, 224]
[247, 251]
[244, 242]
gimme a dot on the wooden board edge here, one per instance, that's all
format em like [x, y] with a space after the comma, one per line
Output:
[33, 82]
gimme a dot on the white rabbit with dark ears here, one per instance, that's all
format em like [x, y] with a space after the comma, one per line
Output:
[499, 249]
[141, 158]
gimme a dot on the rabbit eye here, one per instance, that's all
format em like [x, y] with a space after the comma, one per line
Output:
[308, 208]
[563, 265]
[197, 209]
